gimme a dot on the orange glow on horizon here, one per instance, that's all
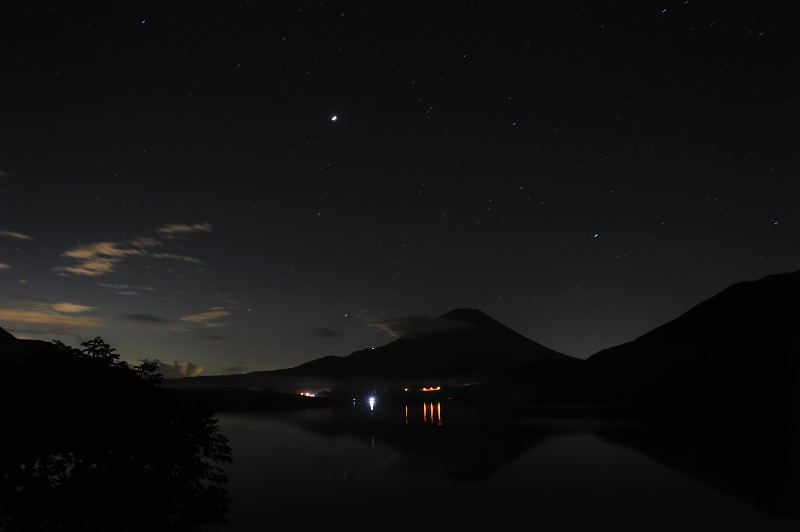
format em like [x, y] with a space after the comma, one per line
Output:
[431, 388]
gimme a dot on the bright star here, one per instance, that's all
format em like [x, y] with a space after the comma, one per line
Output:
[334, 118]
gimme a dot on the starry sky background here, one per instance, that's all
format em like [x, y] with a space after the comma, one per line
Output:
[172, 178]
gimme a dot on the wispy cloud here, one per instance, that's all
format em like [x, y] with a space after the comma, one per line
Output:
[90, 268]
[145, 242]
[96, 259]
[145, 318]
[58, 306]
[4, 266]
[415, 326]
[100, 249]
[70, 308]
[172, 229]
[173, 256]
[46, 317]
[21, 332]
[14, 234]
[207, 318]
[126, 289]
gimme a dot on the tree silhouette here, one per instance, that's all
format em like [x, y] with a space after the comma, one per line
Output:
[98, 349]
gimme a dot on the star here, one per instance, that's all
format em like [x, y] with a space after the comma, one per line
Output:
[334, 118]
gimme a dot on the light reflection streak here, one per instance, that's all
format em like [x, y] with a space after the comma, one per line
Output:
[431, 413]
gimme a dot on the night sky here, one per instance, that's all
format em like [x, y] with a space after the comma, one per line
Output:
[247, 186]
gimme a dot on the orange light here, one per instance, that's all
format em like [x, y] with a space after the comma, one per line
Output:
[405, 389]
[439, 412]
[425, 412]
[431, 389]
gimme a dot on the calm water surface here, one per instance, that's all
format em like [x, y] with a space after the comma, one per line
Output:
[405, 467]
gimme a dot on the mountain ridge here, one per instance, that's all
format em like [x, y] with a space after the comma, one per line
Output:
[743, 341]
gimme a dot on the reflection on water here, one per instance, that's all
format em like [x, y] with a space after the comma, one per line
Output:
[430, 414]
[480, 470]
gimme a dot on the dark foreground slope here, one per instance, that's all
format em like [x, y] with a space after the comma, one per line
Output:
[739, 348]
[90, 443]
[460, 343]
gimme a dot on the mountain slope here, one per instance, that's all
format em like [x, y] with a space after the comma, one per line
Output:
[741, 345]
[15, 351]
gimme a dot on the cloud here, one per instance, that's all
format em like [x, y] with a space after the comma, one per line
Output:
[61, 331]
[97, 258]
[173, 256]
[58, 306]
[101, 258]
[30, 300]
[145, 242]
[47, 317]
[177, 370]
[207, 318]
[416, 326]
[4, 266]
[145, 318]
[14, 234]
[172, 229]
[324, 332]
[126, 289]
[100, 249]
[70, 308]
[90, 268]
[215, 337]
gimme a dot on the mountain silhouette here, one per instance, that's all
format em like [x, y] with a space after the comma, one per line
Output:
[740, 346]
[462, 342]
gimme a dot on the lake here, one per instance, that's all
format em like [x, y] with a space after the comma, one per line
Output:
[441, 465]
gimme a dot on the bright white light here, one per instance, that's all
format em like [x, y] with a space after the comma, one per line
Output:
[334, 118]
[371, 403]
